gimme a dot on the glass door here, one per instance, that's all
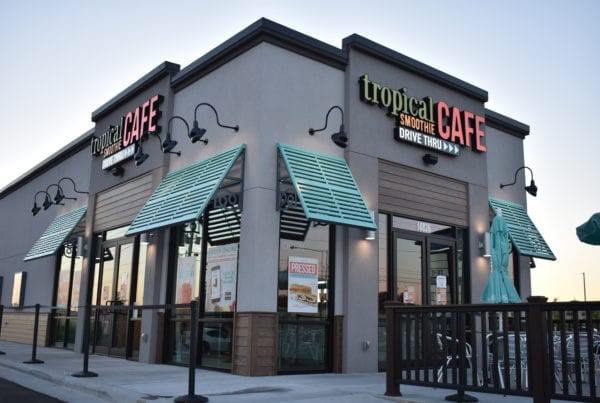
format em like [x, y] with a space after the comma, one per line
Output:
[440, 271]
[409, 264]
[115, 288]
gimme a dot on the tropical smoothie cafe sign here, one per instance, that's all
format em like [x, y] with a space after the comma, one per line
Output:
[118, 143]
[425, 122]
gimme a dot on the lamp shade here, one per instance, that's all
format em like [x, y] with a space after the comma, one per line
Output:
[340, 138]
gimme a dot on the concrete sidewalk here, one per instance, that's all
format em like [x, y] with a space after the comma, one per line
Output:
[125, 381]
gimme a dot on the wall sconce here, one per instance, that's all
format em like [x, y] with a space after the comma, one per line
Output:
[531, 189]
[139, 157]
[340, 138]
[60, 195]
[146, 237]
[169, 144]
[47, 202]
[117, 171]
[79, 248]
[197, 132]
[369, 234]
[485, 245]
[430, 159]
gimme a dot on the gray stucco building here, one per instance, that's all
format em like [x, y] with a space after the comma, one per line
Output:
[289, 241]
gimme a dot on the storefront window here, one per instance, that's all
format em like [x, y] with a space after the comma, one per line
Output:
[118, 280]
[141, 275]
[68, 280]
[217, 301]
[303, 301]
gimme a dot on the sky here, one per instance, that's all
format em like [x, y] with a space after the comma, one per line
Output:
[538, 60]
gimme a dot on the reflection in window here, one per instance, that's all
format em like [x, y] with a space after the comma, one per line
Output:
[64, 278]
[18, 291]
[187, 277]
[67, 290]
[141, 274]
[124, 274]
[409, 266]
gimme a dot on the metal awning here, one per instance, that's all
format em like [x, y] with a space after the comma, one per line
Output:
[56, 234]
[522, 231]
[185, 194]
[323, 186]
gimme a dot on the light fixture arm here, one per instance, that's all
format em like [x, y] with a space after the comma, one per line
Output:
[73, 182]
[41, 191]
[312, 131]
[234, 128]
[60, 194]
[180, 118]
[515, 181]
[178, 153]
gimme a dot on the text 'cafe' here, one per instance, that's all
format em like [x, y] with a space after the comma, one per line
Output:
[287, 218]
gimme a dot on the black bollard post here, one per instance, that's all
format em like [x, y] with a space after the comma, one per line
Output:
[34, 359]
[1, 313]
[461, 340]
[191, 397]
[86, 347]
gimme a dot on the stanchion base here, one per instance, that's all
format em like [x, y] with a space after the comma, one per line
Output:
[36, 361]
[191, 399]
[461, 397]
[84, 374]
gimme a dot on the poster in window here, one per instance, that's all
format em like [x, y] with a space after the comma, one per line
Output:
[221, 278]
[185, 279]
[441, 294]
[303, 283]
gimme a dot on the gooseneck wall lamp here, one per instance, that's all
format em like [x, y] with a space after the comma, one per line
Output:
[531, 189]
[169, 144]
[47, 202]
[187, 128]
[60, 195]
[340, 138]
[58, 198]
[198, 132]
[139, 157]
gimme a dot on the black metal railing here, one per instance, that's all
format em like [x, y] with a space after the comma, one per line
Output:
[94, 310]
[509, 349]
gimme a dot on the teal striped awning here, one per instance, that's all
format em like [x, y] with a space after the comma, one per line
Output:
[326, 188]
[184, 194]
[522, 231]
[56, 234]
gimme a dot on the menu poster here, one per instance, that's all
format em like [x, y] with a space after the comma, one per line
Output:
[221, 278]
[303, 284]
[186, 279]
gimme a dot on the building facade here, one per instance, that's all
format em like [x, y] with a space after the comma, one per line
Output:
[215, 183]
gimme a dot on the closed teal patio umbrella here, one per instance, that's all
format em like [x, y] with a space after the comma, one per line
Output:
[499, 288]
[589, 232]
